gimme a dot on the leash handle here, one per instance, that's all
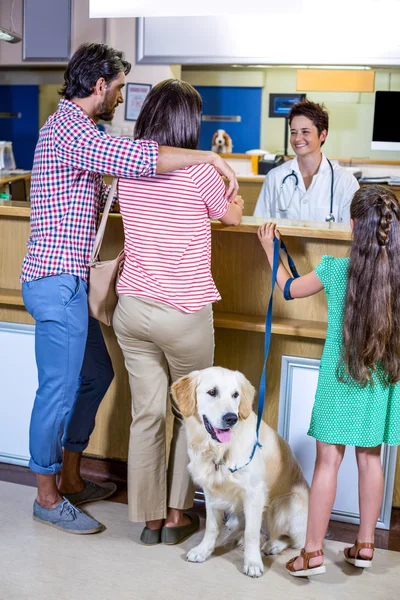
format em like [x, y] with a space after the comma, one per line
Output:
[290, 260]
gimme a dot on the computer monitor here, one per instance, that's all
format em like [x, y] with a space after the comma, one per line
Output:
[386, 130]
[281, 104]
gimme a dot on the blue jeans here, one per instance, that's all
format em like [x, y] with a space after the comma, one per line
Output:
[74, 369]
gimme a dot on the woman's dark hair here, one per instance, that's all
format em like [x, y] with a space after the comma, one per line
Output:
[317, 113]
[88, 64]
[371, 323]
[170, 115]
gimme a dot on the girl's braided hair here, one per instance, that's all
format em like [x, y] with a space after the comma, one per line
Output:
[371, 322]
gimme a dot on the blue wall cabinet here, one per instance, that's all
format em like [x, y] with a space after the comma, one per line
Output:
[243, 102]
[23, 132]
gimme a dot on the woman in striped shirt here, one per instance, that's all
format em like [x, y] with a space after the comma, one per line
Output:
[163, 320]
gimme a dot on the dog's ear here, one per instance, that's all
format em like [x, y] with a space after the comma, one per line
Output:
[184, 393]
[247, 392]
[214, 138]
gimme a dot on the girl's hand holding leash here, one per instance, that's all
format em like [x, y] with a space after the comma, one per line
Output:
[266, 234]
[300, 288]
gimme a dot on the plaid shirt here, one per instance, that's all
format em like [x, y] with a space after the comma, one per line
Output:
[68, 191]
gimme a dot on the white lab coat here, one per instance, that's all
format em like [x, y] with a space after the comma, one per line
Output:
[312, 204]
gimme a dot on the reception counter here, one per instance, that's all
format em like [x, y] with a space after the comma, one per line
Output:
[242, 275]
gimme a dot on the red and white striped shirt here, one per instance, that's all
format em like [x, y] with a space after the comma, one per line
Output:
[168, 236]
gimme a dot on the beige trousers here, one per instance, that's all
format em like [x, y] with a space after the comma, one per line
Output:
[160, 344]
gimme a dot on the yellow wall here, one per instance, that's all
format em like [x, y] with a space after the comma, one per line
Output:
[351, 114]
[48, 101]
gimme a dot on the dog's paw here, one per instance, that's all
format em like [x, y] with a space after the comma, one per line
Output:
[197, 554]
[253, 568]
[274, 546]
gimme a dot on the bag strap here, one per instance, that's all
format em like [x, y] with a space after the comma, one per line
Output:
[102, 227]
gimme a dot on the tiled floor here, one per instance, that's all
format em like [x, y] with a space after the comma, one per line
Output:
[342, 532]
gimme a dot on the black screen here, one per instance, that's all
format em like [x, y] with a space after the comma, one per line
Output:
[281, 104]
[386, 123]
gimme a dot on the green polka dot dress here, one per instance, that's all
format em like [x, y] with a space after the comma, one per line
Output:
[345, 412]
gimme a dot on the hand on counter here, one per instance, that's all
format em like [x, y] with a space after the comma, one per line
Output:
[239, 201]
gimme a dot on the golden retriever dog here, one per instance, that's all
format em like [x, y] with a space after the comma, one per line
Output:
[221, 432]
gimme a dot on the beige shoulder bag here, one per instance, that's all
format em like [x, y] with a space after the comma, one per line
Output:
[104, 275]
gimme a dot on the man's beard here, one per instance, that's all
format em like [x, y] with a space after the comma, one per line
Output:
[105, 111]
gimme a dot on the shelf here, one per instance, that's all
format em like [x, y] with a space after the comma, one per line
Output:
[222, 320]
[280, 326]
[5, 179]
[11, 297]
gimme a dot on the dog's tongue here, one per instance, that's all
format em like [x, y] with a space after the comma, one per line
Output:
[223, 435]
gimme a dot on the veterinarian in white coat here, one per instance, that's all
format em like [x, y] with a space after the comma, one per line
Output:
[308, 187]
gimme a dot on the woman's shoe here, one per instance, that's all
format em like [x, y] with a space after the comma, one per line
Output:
[150, 537]
[357, 560]
[306, 571]
[174, 535]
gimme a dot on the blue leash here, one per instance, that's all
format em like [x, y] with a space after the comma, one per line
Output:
[267, 339]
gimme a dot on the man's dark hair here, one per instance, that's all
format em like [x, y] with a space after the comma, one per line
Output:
[89, 63]
[317, 113]
[170, 115]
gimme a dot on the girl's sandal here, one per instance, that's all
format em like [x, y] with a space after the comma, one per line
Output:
[357, 560]
[306, 571]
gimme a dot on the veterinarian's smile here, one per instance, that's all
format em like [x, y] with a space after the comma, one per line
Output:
[219, 435]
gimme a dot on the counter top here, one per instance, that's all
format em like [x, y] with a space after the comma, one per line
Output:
[291, 228]
[15, 209]
[306, 229]
[250, 178]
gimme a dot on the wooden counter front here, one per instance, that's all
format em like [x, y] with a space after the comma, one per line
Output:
[242, 275]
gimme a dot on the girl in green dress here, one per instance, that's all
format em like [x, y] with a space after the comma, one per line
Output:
[357, 401]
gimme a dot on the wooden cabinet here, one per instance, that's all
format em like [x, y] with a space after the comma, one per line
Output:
[79, 29]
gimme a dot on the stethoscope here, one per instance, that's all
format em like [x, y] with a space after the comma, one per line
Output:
[329, 218]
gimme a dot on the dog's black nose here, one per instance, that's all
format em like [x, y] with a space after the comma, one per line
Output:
[229, 419]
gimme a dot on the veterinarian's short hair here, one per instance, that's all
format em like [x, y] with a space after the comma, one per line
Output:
[170, 115]
[89, 63]
[317, 113]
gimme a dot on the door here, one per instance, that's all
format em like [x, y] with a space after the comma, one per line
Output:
[244, 103]
[21, 130]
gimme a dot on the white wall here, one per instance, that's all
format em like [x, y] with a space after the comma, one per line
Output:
[121, 34]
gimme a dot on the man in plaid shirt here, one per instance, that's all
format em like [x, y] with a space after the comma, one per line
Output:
[67, 195]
